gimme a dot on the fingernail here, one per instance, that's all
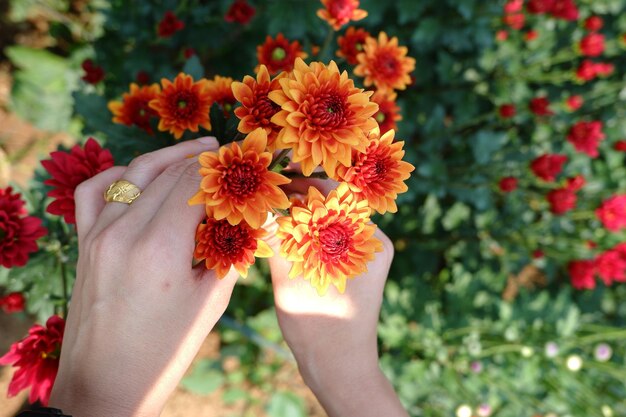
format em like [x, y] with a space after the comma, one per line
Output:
[208, 140]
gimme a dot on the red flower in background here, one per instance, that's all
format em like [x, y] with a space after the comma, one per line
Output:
[502, 35]
[582, 274]
[565, 9]
[575, 183]
[169, 25]
[611, 266]
[506, 111]
[339, 12]
[388, 111]
[540, 6]
[588, 70]
[612, 212]
[592, 44]
[594, 23]
[351, 44]
[586, 137]
[620, 146]
[574, 103]
[539, 106]
[515, 20]
[189, 52]
[531, 35]
[134, 108]
[142, 78]
[548, 166]
[513, 6]
[538, 254]
[68, 169]
[12, 303]
[93, 73]
[240, 12]
[561, 200]
[508, 184]
[278, 54]
[18, 231]
[37, 359]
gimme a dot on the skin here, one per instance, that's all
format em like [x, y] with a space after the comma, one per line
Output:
[140, 311]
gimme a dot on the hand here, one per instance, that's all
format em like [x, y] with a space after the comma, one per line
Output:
[334, 337]
[139, 310]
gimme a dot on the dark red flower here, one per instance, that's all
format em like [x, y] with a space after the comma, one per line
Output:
[612, 213]
[279, 54]
[507, 111]
[351, 44]
[575, 183]
[68, 169]
[531, 35]
[548, 166]
[514, 20]
[594, 23]
[591, 244]
[540, 106]
[592, 44]
[574, 103]
[611, 266]
[540, 6]
[620, 146]
[188, 52]
[582, 274]
[12, 303]
[169, 25]
[513, 6]
[37, 359]
[561, 200]
[604, 69]
[508, 184]
[538, 254]
[93, 73]
[143, 78]
[502, 35]
[18, 231]
[588, 70]
[240, 12]
[586, 137]
[564, 9]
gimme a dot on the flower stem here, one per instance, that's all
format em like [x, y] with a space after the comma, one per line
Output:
[327, 41]
[279, 159]
[292, 174]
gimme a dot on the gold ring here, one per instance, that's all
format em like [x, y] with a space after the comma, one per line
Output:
[122, 191]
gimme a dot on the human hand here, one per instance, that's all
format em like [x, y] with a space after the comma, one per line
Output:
[139, 310]
[334, 337]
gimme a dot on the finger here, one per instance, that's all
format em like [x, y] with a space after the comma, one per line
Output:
[144, 169]
[89, 201]
[301, 185]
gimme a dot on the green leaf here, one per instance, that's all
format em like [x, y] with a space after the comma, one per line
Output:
[456, 215]
[485, 144]
[285, 404]
[206, 377]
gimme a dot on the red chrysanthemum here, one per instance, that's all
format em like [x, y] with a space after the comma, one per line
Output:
[531, 35]
[378, 174]
[257, 110]
[222, 245]
[540, 6]
[278, 54]
[548, 166]
[582, 274]
[593, 23]
[328, 239]
[37, 359]
[513, 6]
[506, 111]
[574, 103]
[540, 106]
[169, 25]
[68, 169]
[220, 91]
[561, 200]
[339, 12]
[142, 78]
[183, 105]
[18, 231]
[388, 111]
[134, 108]
[12, 303]
[351, 44]
[611, 267]
[323, 116]
[564, 9]
[620, 146]
[592, 44]
[589, 70]
[508, 184]
[93, 73]
[240, 12]
[612, 213]
[576, 183]
[515, 21]
[586, 137]
[502, 35]
[384, 64]
[236, 184]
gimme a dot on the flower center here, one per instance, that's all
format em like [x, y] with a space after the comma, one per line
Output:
[184, 104]
[335, 241]
[387, 65]
[266, 108]
[374, 169]
[380, 117]
[278, 54]
[230, 240]
[241, 180]
[328, 112]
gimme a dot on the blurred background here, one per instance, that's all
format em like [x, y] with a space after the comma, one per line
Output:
[507, 295]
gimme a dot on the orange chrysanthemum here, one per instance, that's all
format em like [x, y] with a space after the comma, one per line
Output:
[388, 111]
[220, 91]
[339, 12]
[278, 54]
[183, 105]
[236, 184]
[329, 240]
[222, 245]
[385, 64]
[351, 44]
[256, 108]
[134, 108]
[378, 174]
[323, 116]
